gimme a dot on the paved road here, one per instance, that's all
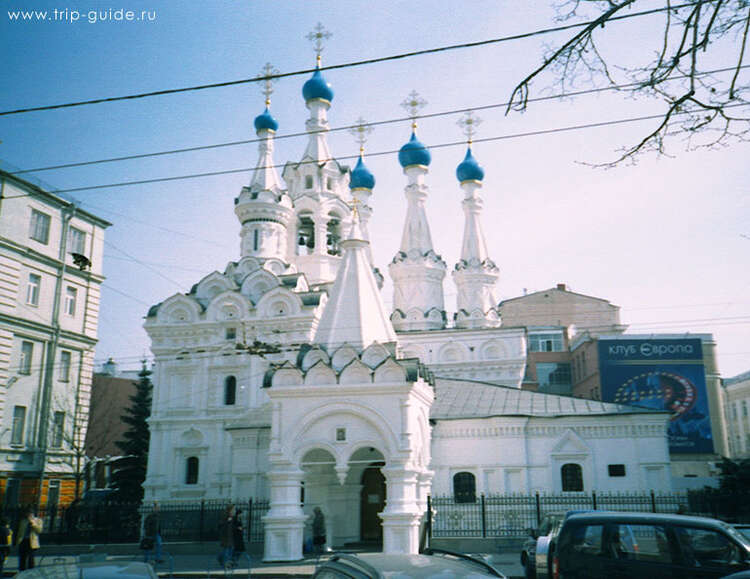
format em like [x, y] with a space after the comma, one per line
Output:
[199, 565]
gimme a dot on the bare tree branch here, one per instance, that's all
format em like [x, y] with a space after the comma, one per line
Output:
[694, 36]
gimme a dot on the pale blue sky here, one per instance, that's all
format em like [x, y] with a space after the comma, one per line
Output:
[662, 239]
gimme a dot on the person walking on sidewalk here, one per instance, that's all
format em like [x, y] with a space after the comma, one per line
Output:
[27, 538]
[226, 536]
[238, 535]
[6, 540]
[152, 535]
[318, 530]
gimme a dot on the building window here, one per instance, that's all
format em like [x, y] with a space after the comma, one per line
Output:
[76, 241]
[12, 486]
[231, 334]
[256, 235]
[71, 296]
[329, 183]
[554, 378]
[572, 478]
[191, 471]
[464, 487]
[546, 342]
[19, 425]
[65, 358]
[308, 182]
[32, 290]
[616, 469]
[341, 435]
[58, 429]
[27, 352]
[230, 390]
[744, 408]
[39, 226]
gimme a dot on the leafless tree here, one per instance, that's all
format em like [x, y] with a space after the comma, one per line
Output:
[695, 66]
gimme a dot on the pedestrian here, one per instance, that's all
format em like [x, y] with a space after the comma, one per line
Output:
[318, 530]
[151, 541]
[238, 536]
[226, 537]
[6, 540]
[27, 538]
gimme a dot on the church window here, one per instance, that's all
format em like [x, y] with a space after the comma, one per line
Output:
[329, 183]
[340, 434]
[616, 469]
[256, 235]
[308, 182]
[191, 470]
[572, 477]
[231, 334]
[230, 390]
[464, 488]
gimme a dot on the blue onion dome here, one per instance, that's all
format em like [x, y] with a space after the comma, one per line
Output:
[266, 121]
[414, 153]
[361, 177]
[317, 88]
[469, 169]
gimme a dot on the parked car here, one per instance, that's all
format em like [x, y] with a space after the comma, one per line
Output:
[548, 528]
[743, 528]
[433, 563]
[97, 570]
[648, 546]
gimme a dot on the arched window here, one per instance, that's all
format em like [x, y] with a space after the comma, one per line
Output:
[572, 477]
[191, 470]
[230, 390]
[464, 487]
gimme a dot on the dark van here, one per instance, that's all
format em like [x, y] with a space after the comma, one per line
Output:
[648, 546]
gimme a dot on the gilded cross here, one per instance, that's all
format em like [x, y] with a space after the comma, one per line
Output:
[360, 132]
[317, 37]
[469, 123]
[268, 73]
[412, 105]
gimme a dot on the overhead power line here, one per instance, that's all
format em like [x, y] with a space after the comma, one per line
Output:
[400, 56]
[378, 153]
[277, 137]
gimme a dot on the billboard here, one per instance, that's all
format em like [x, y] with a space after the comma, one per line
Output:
[663, 374]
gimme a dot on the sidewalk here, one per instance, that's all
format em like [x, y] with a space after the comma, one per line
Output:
[200, 562]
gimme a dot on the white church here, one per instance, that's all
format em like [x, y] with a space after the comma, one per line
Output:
[284, 376]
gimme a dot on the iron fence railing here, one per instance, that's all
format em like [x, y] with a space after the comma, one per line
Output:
[511, 515]
[112, 522]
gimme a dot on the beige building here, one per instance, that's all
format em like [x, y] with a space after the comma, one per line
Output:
[551, 318]
[736, 402]
[50, 278]
[561, 307]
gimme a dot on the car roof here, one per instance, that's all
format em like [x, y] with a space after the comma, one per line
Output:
[625, 516]
[441, 564]
[100, 570]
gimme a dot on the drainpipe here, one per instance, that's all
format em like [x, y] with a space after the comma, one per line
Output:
[49, 371]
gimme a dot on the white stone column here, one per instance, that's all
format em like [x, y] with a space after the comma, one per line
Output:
[402, 514]
[285, 520]
[321, 231]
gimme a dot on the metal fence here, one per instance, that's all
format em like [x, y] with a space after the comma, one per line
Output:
[506, 516]
[110, 522]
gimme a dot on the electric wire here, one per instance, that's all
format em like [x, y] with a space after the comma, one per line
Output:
[539, 132]
[404, 55]
[502, 105]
